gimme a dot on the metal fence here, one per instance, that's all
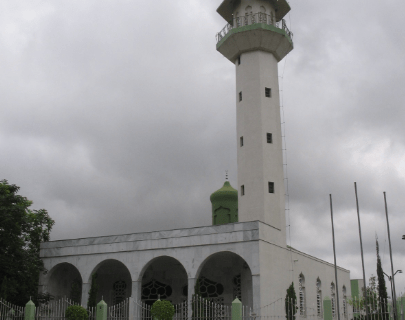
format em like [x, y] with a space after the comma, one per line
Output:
[10, 311]
[205, 309]
[119, 311]
[254, 18]
[53, 310]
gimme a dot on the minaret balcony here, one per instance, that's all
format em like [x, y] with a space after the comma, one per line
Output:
[257, 31]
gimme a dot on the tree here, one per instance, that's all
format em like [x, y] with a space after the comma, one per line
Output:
[290, 303]
[382, 289]
[21, 232]
[92, 302]
[374, 308]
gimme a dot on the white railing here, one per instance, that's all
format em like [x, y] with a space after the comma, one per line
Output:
[253, 19]
[10, 311]
[53, 310]
[119, 311]
[204, 309]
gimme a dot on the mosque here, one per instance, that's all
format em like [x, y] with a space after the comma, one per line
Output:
[244, 252]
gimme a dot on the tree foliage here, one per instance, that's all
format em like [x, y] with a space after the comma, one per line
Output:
[76, 313]
[290, 303]
[92, 302]
[162, 310]
[376, 310]
[21, 232]
[382, 289]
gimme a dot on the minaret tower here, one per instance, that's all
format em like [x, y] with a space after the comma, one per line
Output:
[255, 39]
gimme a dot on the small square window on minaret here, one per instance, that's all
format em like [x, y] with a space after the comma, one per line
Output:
[242, 190]
[271, 187]
[240, 96]
[267, 92]
[269, 138]
[241, 141]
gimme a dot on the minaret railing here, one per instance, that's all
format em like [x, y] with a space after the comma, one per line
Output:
[254, 18]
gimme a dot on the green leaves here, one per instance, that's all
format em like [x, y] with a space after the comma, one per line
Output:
[290, 303]
[21, 232]
[76, 313]
[162, 310]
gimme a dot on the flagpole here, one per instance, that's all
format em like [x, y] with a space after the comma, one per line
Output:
[394, 298]
[334, 255]
[361, 249]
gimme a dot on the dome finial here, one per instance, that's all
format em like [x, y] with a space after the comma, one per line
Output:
[226, 175]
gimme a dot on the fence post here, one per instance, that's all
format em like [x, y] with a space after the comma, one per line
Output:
[101, 313]
[327, 309]
[236, 309]
[29, 311]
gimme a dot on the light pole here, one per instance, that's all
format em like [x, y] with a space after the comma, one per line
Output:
[392, 292]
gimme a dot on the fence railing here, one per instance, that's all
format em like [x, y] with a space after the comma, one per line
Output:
[205, 309]
[254, 18]
[53, 310]
[10, 311]
[213, 309]
[119, 311]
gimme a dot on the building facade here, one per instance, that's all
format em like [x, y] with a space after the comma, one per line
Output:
[244, 253]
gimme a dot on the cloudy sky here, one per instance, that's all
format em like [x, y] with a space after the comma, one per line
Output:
[119, 117]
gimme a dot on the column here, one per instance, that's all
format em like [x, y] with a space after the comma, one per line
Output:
[85, 293]
[190, 292]
[256, 293]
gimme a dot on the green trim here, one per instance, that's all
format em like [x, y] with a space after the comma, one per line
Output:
[327, 309]
[29, 313]
[101, 312]
[251, 27]
[355, 288]
[236, 309]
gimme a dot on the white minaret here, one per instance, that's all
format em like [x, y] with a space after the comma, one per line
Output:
[255, 40]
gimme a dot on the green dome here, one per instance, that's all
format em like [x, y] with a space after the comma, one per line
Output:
[224, 205]
[226, 192]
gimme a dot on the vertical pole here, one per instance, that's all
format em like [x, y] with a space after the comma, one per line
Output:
[394, 298]
[361, 249]
[334, 255]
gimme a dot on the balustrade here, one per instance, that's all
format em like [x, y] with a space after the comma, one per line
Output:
[254, 18]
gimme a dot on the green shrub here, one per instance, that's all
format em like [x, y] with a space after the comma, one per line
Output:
[162, 310]
[76, 313]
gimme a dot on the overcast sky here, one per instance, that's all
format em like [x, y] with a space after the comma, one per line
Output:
[119, 117]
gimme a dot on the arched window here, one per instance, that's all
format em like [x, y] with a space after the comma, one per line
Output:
[237, 286]
[248, 11]
[301, 288]
[344, 302]
[332, 299]
[318, 298]
[262, 15]
[120, 291]
[238, 20]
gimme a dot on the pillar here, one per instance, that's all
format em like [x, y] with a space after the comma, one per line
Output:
[101, 313]
[29, 311]
[236, 309]
[190, 292]
[134, 301]
[85, 293]
[256, 293]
